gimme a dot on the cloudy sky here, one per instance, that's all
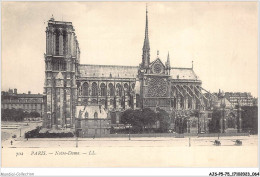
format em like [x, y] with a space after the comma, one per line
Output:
[220, 37]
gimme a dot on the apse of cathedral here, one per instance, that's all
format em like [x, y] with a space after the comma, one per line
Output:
[152, 84]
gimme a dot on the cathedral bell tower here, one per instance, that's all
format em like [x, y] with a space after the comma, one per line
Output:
[62, 59]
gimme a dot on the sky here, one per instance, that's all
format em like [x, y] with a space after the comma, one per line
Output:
[220, 37]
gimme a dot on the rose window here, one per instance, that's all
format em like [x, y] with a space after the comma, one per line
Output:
[157, 68]
[157, 87]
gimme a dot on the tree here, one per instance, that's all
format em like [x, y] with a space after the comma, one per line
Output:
[34, 114]
[164, 118]
[132, 117]
[12, 115]
[249, 118]
[128, 116]
[139, 119]
[148, 118]
[137, 124]
[214, 123]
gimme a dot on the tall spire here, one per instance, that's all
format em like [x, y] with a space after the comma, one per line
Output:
[146, 46]
[168, 59]
[146, 39]
[168, 64]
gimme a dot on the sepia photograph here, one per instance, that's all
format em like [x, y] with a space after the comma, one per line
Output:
[129, 84]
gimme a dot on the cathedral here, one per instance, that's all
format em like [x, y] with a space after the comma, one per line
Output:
[152, 84]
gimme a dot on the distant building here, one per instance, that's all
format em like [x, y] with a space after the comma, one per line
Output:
[92, 121]
[244, 98]
[230, 120]
[255, 101]
[27, 102]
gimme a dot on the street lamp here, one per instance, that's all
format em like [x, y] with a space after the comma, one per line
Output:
[223, 106]
[100, 127]
[128, 125]
[129, 131]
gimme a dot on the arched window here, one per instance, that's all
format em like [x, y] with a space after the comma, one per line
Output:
[64, 42]
[93, 101]
[172, 91]
[103, 102]
[95, 115]
[94, 89]
[131, 101]
[123, 102]
[85, 89]
[182, 102]
[118, 89]
[111, 102]
[197, 104]
[85, 102]
[174, 102]
[133, 86]
[111, 89]
[137, 100]
[57, 43]
[189, 103]
[126, 86]
[86, 114]
[126, 89]
[103, 89]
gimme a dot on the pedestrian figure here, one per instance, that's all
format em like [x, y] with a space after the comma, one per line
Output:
[11, 142]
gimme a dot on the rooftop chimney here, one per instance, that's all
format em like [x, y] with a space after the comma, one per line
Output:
[15, 91]
[10, 90]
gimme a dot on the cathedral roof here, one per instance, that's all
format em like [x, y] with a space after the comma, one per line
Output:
[183, 73]
[112, 71]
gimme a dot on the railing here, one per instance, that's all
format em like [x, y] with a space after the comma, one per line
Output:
[166, 135]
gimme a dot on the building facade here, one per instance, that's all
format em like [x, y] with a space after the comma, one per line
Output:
[61, 72]
[27, 102]
[92, 121]
[230, 114]
[152, 84]
[245, 98]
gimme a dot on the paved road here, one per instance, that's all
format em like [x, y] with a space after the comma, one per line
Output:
[6, 134]
[125, 142]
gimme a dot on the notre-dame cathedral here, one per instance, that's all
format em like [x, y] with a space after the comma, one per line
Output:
[68, 83]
